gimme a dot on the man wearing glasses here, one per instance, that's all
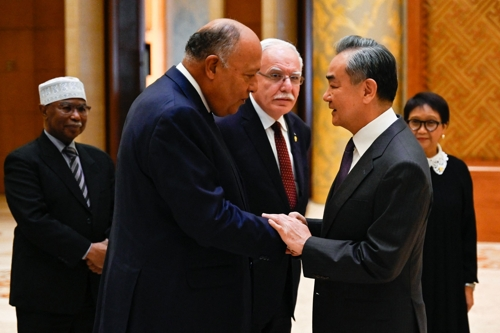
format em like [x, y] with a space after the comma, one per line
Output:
[61, 196]
[270, 146]
[366, 253]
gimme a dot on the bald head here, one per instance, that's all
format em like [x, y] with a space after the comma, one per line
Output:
[219, 37]
[223, 57]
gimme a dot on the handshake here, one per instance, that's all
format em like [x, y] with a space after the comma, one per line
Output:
[292, 229]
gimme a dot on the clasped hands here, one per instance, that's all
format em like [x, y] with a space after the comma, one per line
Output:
[96, 255]
[292, 229]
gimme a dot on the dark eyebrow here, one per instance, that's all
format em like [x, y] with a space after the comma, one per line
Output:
[69, 103]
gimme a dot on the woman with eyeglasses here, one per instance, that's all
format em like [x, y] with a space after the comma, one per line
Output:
[449, 272]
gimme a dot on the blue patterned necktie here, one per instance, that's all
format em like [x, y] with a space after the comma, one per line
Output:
[77, 171]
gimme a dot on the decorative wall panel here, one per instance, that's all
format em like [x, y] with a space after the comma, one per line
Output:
[332, 20]
[464, 67]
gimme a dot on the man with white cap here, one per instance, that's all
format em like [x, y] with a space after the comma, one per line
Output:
[61, 196]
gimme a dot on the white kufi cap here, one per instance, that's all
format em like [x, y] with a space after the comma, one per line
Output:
[61, 88]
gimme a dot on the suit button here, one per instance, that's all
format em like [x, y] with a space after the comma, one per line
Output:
[62, 259]
[89, 221]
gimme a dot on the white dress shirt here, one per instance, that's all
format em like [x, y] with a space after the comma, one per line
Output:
[365, 137]
[267, 121]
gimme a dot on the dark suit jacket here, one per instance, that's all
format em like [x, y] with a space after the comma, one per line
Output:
[367, 261]
[54, 225]
[178, 257]
[249, 145]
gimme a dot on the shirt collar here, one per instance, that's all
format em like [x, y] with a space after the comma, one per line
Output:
[195, 84]
[439, 161]
[364, 138]
[58, 143]
[266, 120]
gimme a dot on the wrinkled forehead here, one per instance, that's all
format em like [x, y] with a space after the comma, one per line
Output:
[280, 58]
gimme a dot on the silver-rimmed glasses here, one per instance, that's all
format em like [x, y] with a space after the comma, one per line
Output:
[295, 79]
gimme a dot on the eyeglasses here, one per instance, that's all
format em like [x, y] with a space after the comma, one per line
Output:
[430, 125]
[68, 108]
[295, 79]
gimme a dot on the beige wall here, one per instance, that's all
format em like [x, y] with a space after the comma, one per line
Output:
[156, 37]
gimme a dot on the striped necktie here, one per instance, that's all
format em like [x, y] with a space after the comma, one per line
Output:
[77, 171]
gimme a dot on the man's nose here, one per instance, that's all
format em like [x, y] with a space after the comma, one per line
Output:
[326, 96]
[253, 86]
[75, 114]
[286, 84]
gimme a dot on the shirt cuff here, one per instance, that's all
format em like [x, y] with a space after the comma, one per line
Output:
[86, 253]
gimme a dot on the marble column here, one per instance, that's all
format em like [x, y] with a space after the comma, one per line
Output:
[84, 40]
[279, 20]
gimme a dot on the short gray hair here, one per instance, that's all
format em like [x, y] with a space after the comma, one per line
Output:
[270, 42]
[219, 39]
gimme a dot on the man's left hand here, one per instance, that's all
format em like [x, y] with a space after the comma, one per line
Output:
[96, 255]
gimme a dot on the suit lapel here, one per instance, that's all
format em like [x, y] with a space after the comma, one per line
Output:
[257, 135]
[56, 162]
[190, 92]
[187, 89]
[361, 170]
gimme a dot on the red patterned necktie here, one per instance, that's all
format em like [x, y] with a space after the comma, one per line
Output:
[285, 165]
[345, 165]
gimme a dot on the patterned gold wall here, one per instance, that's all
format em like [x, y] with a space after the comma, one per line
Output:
[332, 20]
[464, 67]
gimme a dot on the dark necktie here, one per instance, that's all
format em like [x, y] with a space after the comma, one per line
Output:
[285, 165]
[77, 171]
[345, 165]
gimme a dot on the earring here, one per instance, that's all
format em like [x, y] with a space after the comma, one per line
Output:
[442, 136]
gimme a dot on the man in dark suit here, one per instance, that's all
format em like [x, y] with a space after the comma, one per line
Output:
[366, 256]
[251, 140]
[178, 258]
[62, 224]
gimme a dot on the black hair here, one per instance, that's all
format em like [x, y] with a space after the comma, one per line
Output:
[435, 102]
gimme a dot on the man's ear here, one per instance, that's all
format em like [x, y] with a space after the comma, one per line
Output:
[370, 90]
[211, 63]
[43, 110]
